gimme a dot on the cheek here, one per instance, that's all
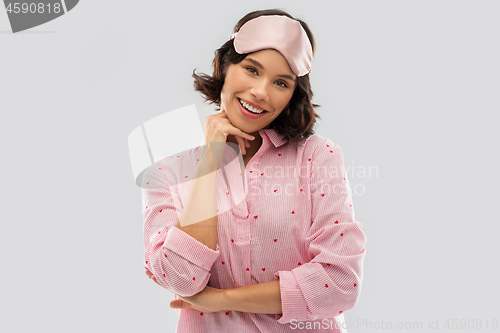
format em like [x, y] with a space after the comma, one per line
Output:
[224, 94]
[283, 101]
[239, 78]
[230, 85]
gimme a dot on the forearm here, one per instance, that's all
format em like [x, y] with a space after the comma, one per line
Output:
[199, 216]
[256, 298]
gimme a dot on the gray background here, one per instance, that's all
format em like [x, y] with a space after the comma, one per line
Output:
[410, 87]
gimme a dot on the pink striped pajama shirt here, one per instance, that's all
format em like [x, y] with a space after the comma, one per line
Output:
[296, 224]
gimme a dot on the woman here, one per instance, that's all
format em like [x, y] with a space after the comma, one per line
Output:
[288, 255]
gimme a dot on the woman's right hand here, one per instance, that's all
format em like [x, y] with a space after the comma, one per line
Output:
[217, 129]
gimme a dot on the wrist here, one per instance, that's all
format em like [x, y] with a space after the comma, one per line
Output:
[204, 167]
[209, 160]
[227, 299]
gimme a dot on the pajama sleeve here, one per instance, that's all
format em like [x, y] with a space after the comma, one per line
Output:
[179, 262]
[330, 283]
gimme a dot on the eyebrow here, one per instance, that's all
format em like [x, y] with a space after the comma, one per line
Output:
[258, 64]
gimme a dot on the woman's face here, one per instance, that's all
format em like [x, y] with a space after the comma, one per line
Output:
[263, 80]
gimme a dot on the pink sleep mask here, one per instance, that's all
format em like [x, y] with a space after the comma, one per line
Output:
[280, 33]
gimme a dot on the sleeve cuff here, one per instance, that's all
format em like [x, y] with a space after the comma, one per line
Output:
[190, 249]
[293, 303]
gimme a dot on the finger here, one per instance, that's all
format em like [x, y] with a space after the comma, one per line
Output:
[246, 135]
[241, 143]
[179, 304]
[247, 143]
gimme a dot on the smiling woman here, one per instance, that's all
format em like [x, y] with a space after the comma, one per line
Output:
[263, 89]
[296, 119]
[288, 250]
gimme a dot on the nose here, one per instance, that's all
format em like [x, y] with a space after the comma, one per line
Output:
[259, 90]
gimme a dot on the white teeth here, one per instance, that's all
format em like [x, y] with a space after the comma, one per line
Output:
[251, 108]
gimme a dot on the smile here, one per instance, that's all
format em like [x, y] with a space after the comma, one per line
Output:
[248, 111]
[250, 108]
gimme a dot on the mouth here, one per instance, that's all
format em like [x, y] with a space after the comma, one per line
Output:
[250, 108]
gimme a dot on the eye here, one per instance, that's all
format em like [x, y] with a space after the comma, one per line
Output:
[282, 84]
[252, 70]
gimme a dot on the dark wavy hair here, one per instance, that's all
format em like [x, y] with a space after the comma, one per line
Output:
[297, 118]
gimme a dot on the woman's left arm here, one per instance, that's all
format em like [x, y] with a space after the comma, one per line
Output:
[254, 298]
[330, 283]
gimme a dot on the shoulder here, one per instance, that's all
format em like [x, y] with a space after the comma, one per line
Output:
[317, 145]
